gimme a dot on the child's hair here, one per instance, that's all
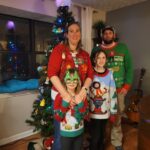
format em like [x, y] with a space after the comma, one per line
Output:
[75, 73]
[95, 55]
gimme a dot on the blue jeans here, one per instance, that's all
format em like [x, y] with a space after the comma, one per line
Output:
[57, 137]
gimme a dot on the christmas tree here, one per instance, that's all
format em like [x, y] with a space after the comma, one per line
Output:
[98, 26]
[42, 114]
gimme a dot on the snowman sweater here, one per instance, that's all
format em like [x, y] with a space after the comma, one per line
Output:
[119, 61]
[71, 119]
[102, 94]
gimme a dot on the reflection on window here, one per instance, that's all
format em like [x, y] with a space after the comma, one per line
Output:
[23, 43]
[42, 36]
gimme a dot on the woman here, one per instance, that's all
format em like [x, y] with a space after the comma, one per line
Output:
[63, 57]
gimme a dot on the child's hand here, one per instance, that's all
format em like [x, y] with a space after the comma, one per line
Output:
[112, 118]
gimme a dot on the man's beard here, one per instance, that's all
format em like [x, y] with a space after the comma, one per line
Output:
[107, 42]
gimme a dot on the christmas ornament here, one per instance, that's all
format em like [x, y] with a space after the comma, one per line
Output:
[63, 55]
[43, 122]
[42, 103]
[48, 142]
[84, 68]
[112, 53]
[41, 89]
[10, 25]
[36, 111]
[39, 68]
[47, 80]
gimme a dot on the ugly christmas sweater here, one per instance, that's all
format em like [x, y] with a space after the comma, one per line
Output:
[71, 119]
[103, 97]
[119, 61]
[62, 59]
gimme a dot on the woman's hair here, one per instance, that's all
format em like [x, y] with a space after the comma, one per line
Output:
[66, 31]
[95, 55]
[74, 72]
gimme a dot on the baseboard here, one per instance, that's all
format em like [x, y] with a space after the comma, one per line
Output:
[16, 137]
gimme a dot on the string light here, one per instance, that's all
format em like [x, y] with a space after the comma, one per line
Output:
[63, 3]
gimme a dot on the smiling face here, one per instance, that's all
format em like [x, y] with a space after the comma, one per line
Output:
[100, 60]
[71, 83]
[74, 34]
[71, 79]
[108, 36]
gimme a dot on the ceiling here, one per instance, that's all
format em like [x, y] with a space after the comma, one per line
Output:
[107, 5]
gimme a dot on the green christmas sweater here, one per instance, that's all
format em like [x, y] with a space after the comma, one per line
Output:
[119, 61]
[71, 118]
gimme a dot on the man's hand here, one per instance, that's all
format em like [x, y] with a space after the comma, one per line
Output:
[113, 118]
[123, 91]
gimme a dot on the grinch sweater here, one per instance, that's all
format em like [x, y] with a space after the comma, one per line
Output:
[72, 119]
[103, 97]
[119, 61]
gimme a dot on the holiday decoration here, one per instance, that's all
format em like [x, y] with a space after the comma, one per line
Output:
[10, 25]
[42, 103]
[41, 144]
[48, 143]
[63, 3]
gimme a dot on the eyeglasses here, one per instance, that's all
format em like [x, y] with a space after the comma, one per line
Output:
[75, 81]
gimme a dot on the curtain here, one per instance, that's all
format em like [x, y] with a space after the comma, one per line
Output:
[86, 28]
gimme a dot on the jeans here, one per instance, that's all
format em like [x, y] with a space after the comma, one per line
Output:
[97, 131]
[57, 140]
[72, 143]
[57, 137]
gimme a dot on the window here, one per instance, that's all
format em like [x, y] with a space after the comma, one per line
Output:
[23, 43]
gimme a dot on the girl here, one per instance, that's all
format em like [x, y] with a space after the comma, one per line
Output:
[103, 100]
[71, 113]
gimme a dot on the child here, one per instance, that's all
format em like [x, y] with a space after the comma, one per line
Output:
[71, 113]
[103, 100]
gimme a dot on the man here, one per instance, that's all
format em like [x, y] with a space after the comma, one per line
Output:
[119, 61]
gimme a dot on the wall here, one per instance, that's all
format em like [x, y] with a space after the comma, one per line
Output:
[34, 9]
[133, 27]
[14, 110]
[44, 10]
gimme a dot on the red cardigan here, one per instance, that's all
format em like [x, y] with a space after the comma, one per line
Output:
[61, 59]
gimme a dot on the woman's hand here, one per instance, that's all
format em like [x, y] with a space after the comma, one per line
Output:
[72, 102]
[81, 96]
[78, 99]
[66, 97]
[83, 93]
